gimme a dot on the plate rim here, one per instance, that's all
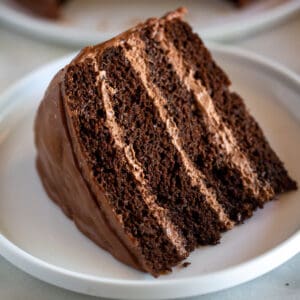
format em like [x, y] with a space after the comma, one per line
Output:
[48, 31]
[25, 260]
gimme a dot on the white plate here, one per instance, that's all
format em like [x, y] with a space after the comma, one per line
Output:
[39, 239]
[92, 21]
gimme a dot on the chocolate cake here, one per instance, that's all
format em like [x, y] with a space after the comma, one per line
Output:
[242, 3]
[51, 8]
[142, 143]
[45, 8]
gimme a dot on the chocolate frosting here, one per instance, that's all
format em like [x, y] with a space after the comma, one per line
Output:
[63, 181]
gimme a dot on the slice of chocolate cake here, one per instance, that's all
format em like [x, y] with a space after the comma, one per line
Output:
[142, 143]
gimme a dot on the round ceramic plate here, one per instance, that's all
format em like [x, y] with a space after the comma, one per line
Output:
[37, 237]
[92, 21]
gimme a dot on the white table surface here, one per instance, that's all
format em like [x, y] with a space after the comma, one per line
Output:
[21, 54]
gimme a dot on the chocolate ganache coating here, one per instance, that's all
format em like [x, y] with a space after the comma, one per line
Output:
[62, 179]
